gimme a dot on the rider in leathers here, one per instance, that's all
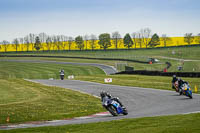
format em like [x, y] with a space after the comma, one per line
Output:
[180, 83]
[105, 96]
[174, 79]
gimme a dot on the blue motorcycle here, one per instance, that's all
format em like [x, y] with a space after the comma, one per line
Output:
[114, 107]
[186, 90]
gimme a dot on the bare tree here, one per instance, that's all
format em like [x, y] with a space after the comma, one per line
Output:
[139, 39]
[5, 45]
[49, 43]
[188, 38]
[93, 38]
[63, 41]
[146, 36]
[66, 38]
[86, 39]
[32, 40]
[116, 37]
[16, 44]
[43, 37]
[70, 41]
[134, 37]
[197, 39]
[57, 42]
[166, 40]
[54, 41]
[21, 42]
[27, 42]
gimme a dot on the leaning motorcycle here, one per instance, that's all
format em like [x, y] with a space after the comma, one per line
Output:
[114, 107]
[187, 91]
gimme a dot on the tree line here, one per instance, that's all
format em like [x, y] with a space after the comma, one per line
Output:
[144, 37]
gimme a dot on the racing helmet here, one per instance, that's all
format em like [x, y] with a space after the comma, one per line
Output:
[103, 94]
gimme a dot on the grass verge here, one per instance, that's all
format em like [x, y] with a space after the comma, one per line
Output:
[156, 82]
[43, 70]
[140, 54]
[162, 124]
[24, 101]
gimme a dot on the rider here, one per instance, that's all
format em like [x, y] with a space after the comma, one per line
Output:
[180, 83]
[174, 79]
[62, 74]
[106, 95]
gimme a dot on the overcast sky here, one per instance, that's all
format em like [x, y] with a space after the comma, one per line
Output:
[80, 17]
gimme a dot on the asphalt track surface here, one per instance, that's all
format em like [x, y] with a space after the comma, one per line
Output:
[140, 102]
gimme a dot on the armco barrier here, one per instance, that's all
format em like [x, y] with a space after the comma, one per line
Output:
[159, 73]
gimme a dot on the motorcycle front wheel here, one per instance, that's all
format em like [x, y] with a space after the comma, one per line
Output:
[125, 112]
[190, 96]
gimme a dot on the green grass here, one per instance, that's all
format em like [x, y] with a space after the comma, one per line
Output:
[43, 70]
[162, 124]
[24, 101]
[156, 82]
[188, 66]
[142, 55]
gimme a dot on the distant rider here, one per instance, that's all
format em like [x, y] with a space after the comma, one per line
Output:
[62, 74]
[105, 96]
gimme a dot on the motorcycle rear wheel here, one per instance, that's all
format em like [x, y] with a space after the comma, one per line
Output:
[190, 96]
[112, 110]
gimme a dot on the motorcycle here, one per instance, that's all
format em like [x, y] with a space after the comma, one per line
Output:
[114, 107]
[186, 90]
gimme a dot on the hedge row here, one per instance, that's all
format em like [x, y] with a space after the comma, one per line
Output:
[159, 73]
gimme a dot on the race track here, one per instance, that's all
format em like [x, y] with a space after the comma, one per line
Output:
[140, 102]
[106, 68]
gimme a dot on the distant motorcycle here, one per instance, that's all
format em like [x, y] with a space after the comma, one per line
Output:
[114, 107]
[186, 90]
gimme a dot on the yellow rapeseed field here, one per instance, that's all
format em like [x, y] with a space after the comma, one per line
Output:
[175, 41]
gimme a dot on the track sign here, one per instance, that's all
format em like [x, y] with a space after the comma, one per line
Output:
[108, 80]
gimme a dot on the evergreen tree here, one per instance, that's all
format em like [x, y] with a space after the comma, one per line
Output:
[37, 44]
[188, 38]
[155, 40]
[104, 41]
[128, 42]
[79, 42]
